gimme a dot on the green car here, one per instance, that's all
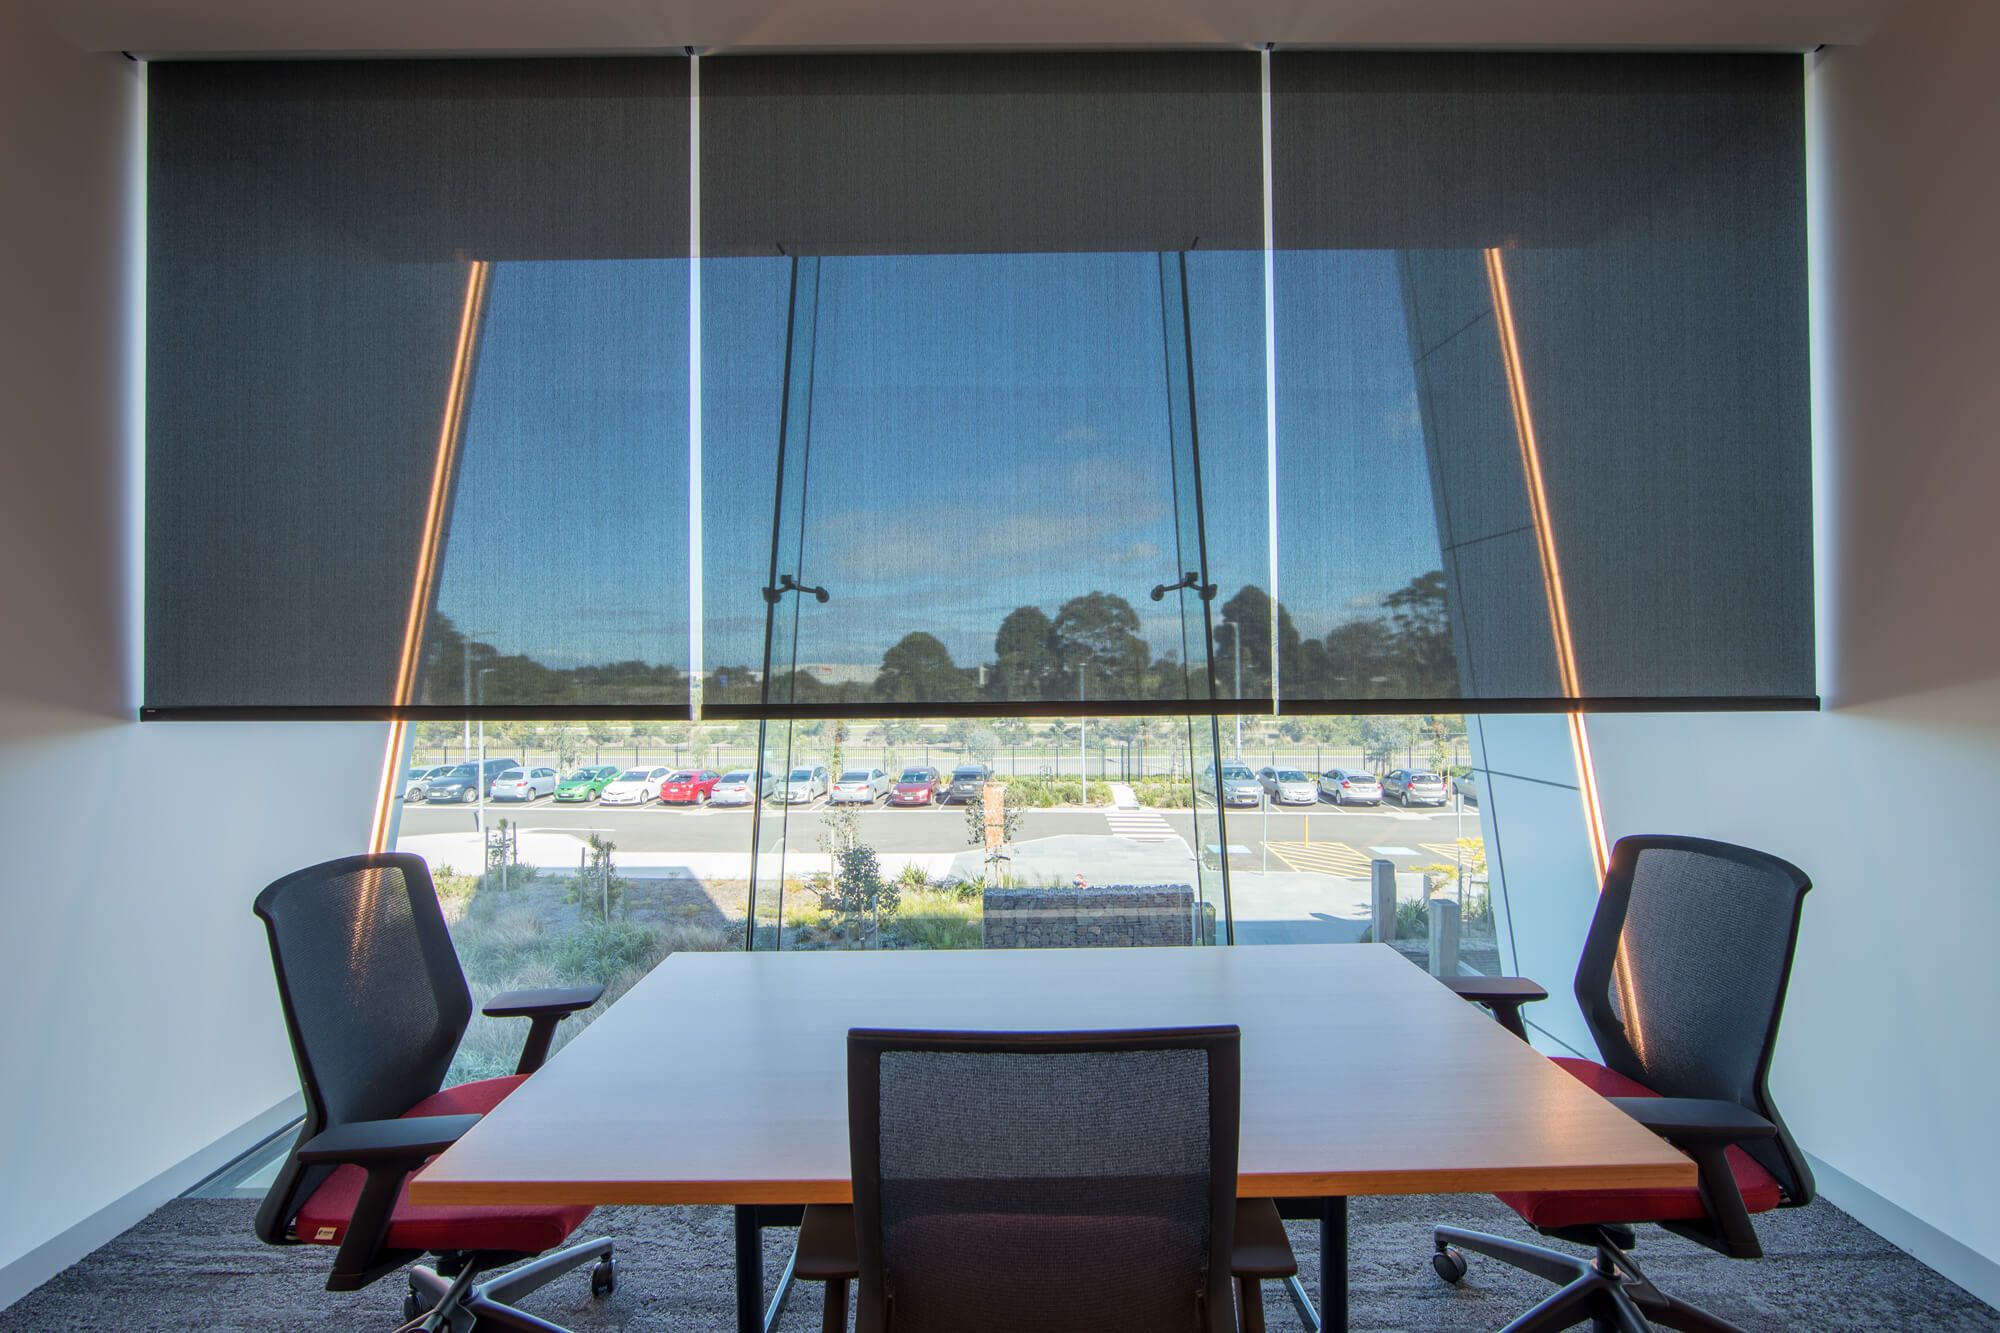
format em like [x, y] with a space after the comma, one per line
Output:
[586, 784]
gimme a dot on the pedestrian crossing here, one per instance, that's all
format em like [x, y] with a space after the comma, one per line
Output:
[1141, 825]
[1323, 858]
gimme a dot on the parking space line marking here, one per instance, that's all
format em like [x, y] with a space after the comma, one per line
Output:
[1393, 851]
[1323, 858]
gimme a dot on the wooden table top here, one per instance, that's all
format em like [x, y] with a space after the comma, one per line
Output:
[721, 1077]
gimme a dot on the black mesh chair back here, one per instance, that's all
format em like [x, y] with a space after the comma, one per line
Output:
[374, 1000]
[1008, 1181]
[1684, 972]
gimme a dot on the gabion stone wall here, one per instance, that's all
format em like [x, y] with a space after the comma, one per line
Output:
[1110, 916]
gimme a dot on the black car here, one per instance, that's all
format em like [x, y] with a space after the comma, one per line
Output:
[461, 784]
[968, 783]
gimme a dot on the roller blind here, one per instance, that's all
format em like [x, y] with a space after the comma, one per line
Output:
[417, 386]
[1543, 400]
[981, 385]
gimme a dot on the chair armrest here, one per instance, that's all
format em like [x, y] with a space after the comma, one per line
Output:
[545, 1009]
[1705, 1130]
[1690, 1122]
[558, 1000]
[1503, 995]
[405, 1142]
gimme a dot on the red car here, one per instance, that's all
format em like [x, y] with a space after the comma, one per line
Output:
[688, 786]
[917, 786]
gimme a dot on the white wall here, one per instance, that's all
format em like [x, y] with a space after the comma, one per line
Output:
[138, 1021]
[1885, 1066]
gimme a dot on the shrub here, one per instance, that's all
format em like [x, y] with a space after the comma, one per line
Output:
[858, 898]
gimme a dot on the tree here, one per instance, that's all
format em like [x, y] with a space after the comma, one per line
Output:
[918, 669]
[1421, 624]
[898, 732]
[1097, 642]
[1025, 662]
[1059, 733]
[601, 735]
[1246, 620]
[857, 896]
[565, 740]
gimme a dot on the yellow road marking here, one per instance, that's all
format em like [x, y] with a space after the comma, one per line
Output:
[1322, 858]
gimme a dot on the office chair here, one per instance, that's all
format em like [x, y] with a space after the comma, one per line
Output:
[1005, 1181]
[375, 1005]
[1682, 982]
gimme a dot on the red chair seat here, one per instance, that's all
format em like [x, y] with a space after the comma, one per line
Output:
[1552, 1210]
[521, 1229]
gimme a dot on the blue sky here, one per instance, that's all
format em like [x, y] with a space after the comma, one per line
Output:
[986, 432]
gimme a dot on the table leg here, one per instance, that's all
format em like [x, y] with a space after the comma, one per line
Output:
[1333, 1265]
[749, 1270]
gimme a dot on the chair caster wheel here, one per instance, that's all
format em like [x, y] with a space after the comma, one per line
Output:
[1450, 1265]
[604, 1278]
[413, 1309]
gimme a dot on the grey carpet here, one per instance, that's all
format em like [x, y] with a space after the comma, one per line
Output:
[194, 1264]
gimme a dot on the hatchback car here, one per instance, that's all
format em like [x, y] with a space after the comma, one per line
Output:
[1414, 786]
[917, 786]
[586, 784]
[688, 786]
[635, 786]
[1289, 786]
[1239, 786]
[862, 786]
[968, 783]
[734, 788]
[1350, 786]
[806, 784]
[417, 781]
[524, 784]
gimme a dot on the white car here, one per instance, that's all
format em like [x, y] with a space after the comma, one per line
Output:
[806, 784]
[1350, 786]
[733, 788]
[864, 786]
[524, 784]
[416, 784]
[635, 786]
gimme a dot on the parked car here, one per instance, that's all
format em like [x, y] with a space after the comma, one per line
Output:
[733, 788]
[586, 784]
[688, 786]
[968, 784]
[1239, 786]
[1289, 786]
[859, 785]
[1415, 786]
[1350, 786]
[917, 786]
[1467, 787]
[635, 786]
[524, 784]
[464, 781]
[416, 782]
[806, 783]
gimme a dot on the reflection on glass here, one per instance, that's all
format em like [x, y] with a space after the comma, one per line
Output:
[563, 577]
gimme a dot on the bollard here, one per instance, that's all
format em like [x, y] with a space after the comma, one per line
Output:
[1444, 936]
[1383, 876]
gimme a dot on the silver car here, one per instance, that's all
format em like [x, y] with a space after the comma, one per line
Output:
[733, 788]
[806, 784]
[1289, 786]
[1350, 786]
[1239, 785]
[416, 784]
[859, 786]
[1415, 786]
[524, 784]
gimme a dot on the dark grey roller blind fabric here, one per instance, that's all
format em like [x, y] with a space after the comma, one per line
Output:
[318, 234]
[1542, 368]
[981, 360]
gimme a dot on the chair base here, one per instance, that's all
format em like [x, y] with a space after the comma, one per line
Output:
[1609, 1290]
[454, 1301]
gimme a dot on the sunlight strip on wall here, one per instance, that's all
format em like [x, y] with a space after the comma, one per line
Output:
[451, 434]
[1545, 544]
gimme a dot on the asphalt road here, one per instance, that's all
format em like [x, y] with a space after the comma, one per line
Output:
[1323, 838]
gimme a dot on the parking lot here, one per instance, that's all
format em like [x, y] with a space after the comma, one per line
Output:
[1322, 839]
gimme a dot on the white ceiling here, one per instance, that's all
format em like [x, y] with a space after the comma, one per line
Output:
[246, 27]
